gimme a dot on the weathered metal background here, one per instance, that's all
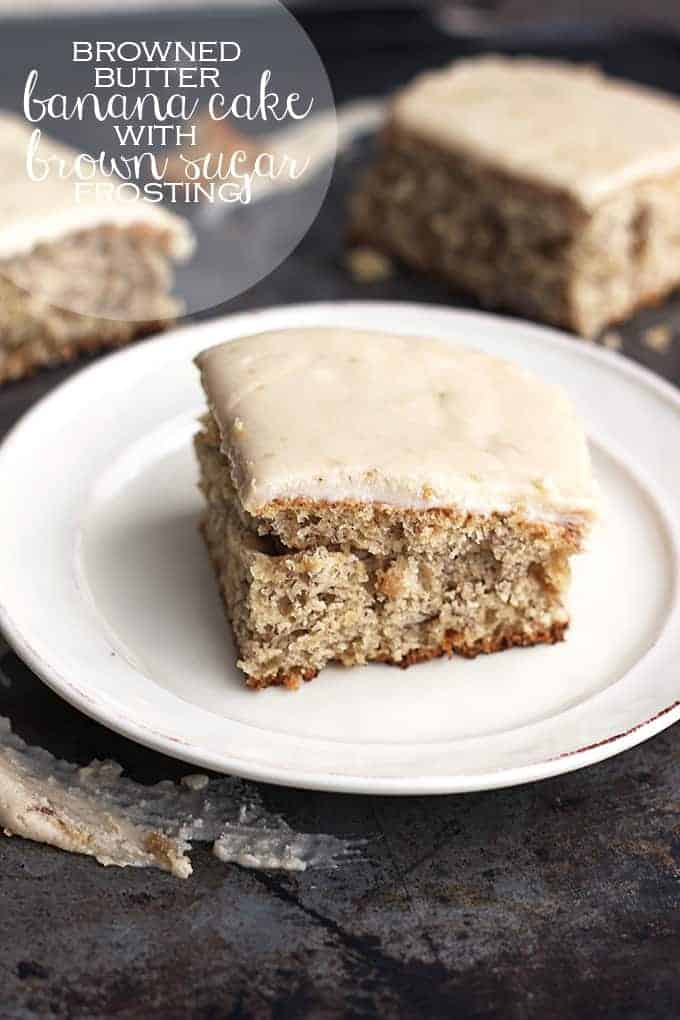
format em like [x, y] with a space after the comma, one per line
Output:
[556, 900]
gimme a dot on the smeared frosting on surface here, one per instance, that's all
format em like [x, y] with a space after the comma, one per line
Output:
[36, 212]
[554, 123]
[92, 810]
[334, 414]
[263, 841]
[95, 810]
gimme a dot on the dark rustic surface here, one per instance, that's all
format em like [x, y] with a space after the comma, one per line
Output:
[556, 900]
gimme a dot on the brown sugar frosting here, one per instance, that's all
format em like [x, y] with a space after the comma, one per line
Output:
[345, 415]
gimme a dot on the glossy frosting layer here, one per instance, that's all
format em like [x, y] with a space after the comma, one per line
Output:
[554, 123]
[333, 414]
[36, 212]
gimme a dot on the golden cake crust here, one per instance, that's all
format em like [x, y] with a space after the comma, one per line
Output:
[454, 644]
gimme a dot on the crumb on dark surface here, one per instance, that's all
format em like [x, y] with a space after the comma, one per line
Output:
[612, 340]
[658, 338]
[368, 265]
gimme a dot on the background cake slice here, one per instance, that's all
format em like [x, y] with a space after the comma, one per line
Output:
[535, 185]
[380, 497]
[76, 274]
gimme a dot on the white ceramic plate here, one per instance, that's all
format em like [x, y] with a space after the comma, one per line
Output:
[106, 590]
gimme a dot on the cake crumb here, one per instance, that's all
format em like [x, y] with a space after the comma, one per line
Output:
[390, 582]
[369, 266]
[195, 781]
[658, 339]
[612, 340]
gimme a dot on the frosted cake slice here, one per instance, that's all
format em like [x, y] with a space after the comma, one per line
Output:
[379, 497]
[78, 271]
[539, 186]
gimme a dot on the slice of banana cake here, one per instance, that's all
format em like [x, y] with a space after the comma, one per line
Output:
[535, 185]
[373, 496]
[78, 271]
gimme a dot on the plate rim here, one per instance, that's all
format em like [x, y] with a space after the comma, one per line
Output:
[331, 781]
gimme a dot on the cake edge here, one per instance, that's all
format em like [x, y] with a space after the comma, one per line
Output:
[452, 645]
[21, 364]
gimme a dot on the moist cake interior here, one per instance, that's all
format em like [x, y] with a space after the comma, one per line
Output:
[121, 275]
[401, 587]
[77, 271]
